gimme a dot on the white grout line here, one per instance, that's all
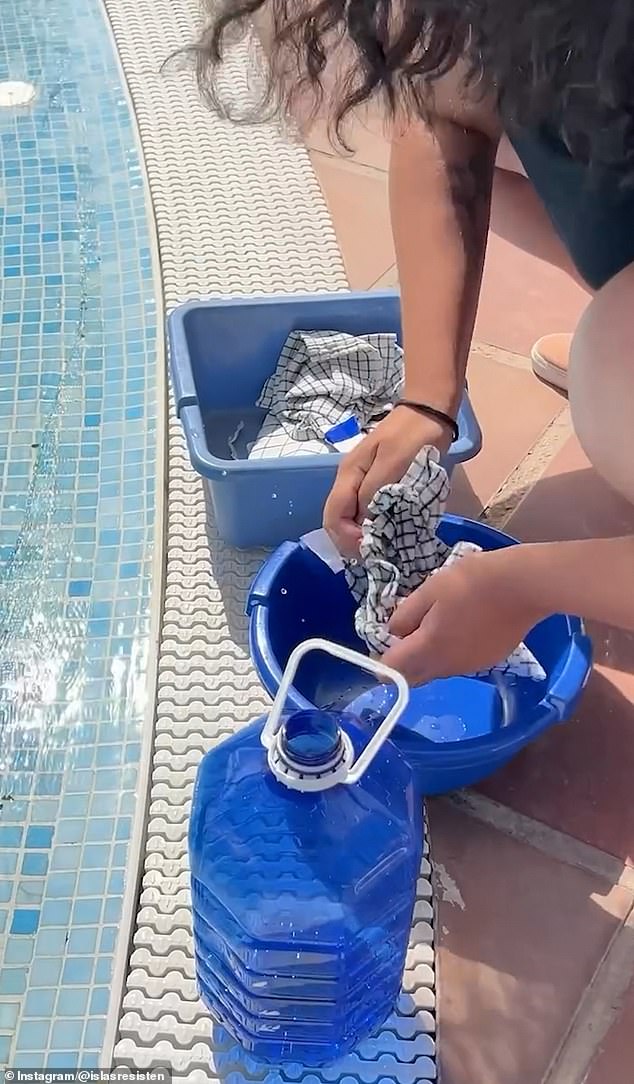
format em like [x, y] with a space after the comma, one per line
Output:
[555, 844]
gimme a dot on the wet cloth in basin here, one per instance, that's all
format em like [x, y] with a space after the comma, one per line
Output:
[400, 549]
[322, 378]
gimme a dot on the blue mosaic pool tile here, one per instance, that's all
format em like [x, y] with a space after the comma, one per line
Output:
[40, 1003]
[25, 920]
[35, 864]
[10, 837]
[13, 980]
[9, 1012]
[19, 950]
[77, 489]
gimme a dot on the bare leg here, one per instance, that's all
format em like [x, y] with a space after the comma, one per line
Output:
[601, 375]
[601, 382]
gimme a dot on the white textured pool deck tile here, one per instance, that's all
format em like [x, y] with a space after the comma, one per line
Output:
[237, 211]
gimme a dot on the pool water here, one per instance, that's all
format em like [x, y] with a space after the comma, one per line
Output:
[78, 454]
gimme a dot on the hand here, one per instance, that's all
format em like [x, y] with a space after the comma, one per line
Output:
[465, 618]
[383, 457]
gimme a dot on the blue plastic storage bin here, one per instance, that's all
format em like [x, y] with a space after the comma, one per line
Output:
[454, 732]
[221, 354]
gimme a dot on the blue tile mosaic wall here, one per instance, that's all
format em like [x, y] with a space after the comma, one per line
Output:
[77, 483]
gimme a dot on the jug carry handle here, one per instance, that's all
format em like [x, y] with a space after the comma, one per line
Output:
[378, 669]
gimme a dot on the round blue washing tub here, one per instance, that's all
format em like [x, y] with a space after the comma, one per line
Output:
[454, 732]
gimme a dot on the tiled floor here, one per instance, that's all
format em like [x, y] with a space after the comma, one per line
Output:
[614, 1059]
[523, 932]
[514, 959]
[578, 777]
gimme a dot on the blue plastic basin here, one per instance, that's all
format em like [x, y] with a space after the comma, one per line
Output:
[454, 732]
[221, 354]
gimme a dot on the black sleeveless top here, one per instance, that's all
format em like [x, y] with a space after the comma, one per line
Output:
[593, 214]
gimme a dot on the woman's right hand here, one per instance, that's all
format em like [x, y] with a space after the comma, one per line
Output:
[381, 458]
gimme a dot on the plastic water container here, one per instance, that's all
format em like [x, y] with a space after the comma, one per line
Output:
[305, 843]
[221, 354]
[454, 732]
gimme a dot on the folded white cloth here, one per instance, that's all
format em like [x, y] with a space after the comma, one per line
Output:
[321, 378]
[273, 442]
[400, 549]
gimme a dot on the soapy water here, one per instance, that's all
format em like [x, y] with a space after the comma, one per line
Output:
[339, 691]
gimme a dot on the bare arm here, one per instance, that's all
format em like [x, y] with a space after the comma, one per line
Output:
[470, 616]
[593, 577]
[440, 191]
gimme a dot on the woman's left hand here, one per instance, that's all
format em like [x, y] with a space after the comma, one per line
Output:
[465, 618]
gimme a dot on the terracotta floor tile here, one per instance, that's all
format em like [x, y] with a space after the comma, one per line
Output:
[578, 777]
[523, 298]
[616, 1054]
[572, 501]
[367, 136]
[513, 409]
[358, 202]
[520, 938]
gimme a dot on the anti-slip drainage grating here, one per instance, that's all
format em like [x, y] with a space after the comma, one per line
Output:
[238, 210]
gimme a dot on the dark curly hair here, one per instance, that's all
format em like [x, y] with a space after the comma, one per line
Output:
[565, 63]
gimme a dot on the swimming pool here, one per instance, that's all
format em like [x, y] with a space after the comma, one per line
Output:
[79, 393]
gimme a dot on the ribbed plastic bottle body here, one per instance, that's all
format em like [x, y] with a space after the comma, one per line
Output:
[302, 903]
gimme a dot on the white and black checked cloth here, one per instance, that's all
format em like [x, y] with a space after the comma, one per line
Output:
[400, 549]
[399, 546]
[322, 377]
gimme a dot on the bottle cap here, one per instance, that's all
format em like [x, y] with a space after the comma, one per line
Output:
[310, 750]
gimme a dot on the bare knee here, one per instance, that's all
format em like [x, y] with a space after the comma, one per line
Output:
[601, 382]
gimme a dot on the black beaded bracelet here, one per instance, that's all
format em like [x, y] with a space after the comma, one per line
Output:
[432, 412]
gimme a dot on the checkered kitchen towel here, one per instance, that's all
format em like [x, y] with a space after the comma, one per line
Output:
[399, 546]
[322, 377]
[400, 549]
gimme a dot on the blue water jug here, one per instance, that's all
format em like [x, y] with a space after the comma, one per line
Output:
[305, 843]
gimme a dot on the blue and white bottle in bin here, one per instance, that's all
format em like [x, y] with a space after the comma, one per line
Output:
[305, 844]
